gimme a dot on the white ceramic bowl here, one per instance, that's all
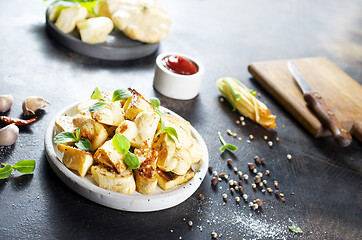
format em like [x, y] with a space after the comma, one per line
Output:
[135, 202]
[175, 85]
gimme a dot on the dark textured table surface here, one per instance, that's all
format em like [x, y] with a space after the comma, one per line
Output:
[226, 36]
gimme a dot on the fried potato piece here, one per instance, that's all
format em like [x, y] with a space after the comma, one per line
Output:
[110, 114]
[64, 124]
[172, 156]
[167, 180]
[95, 30]
[140, 133]
[110, 157]
[136, 104]
[76, 159]
[142, 20]
[146, 174]
[91, 129]
[110, 180]
[69, 17]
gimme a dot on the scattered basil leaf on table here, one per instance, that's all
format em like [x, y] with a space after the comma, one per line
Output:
[23, 166]
[120, 94]
[226, 145]
[156, 104]
[295, 229]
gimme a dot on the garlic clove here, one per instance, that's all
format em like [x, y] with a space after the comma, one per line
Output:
[32, 104]
[8, 135]
[5, 102]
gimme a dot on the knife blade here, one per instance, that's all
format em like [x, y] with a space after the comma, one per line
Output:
[320, 109]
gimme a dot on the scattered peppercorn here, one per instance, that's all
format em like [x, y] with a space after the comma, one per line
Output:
[251, 166]
[261, 184]
[240, 182]
[265, 182]
[282, 194]
[222, 99]
[190, 223]
[267, 172]
[251, 137]
[259, 202]
[201, 197]
[245, 196]
[237, 199]
[276, 184]
[253, 185]
[241, 188]
[214, 235]
[214, 180]
[235, 169]
[237, 122]
[270, 143]
[292, 193]
[283, 199]
[257, 179]
[269, 190]
[260, 174]
[214, 173]
[229, 161]
[262, 161]
[210, 169]
[222, 175]
[257, 159]
[289, 156]
[277, 139]
[276, 192]
[246, 176]
[224, 196]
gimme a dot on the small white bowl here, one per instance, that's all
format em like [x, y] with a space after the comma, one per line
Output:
[177, 86]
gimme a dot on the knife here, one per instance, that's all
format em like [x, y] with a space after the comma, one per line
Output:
[320, 109]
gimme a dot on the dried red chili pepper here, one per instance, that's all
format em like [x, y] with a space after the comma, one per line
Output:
[16, 121]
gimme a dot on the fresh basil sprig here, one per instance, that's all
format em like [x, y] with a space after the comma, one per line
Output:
[226, 145]
[118, 95]
[65, 137]
[122, 145]
[295, 229]
[169, 130]
[23, 166]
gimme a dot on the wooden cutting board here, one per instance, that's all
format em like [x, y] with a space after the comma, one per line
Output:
[341, 93]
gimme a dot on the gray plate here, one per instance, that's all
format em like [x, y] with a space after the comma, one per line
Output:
[117, 47]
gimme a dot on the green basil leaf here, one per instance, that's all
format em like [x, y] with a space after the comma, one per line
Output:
[171, 132]
[121, 143]
[120, 94]
[65, 137]
[84, 144]
[252, 92]
[155, 102]
[77, 134]
[295, 229]
[131, 160]
[231, 147]
[5, 172]
[221, 139]
[96, 94]
[25, 166]
[97, 106]
[222, 148]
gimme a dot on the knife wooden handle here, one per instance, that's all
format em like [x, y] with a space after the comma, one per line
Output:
[328, 118]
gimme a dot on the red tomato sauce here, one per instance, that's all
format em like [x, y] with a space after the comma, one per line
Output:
[179, 65]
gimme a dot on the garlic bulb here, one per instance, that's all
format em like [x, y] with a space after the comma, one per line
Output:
[8, 135]
[5, 102]
[31, 104]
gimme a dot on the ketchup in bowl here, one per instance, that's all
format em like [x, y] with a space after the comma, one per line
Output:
[179, 65]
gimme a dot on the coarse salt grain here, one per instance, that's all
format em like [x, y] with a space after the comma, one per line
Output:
[289, 156]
